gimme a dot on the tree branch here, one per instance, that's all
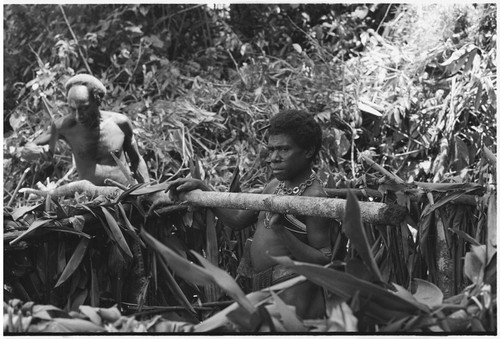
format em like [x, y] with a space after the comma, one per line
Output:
[76, 40]
[68, 190]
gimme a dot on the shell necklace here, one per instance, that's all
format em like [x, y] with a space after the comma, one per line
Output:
[281, 189]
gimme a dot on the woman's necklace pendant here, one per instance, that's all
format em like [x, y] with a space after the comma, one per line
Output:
[282, 190]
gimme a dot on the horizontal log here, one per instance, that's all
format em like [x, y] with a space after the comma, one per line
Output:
[361, 193]
[371, 212]
[84, 186]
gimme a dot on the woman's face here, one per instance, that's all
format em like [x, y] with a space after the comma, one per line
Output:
[287, 159]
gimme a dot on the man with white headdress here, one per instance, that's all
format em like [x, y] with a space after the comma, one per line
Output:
[92, 135]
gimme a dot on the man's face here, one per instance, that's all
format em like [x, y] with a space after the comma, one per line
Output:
[82, 106]
[286, 158]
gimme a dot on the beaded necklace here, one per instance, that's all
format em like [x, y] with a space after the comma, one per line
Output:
[281, 189]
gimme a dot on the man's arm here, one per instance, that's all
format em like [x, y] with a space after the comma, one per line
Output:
[43, 145]
[137, 163]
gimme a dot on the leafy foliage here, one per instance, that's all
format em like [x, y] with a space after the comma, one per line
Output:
[407, 108]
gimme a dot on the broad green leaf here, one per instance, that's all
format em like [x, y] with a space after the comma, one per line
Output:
[72, 325]
[491, 235]
[91, 313]
[131, 228]
[47, 312]
[445, 187]
[479, 94]
[64, 229]
[212, 251]
[61, 257]
[110, 314]
[74, 261]
[78, 298]
[270, 321]
[409, 324]
[116, 232]
[195, 167]
[356, 267]
[220, 318]
[449, 198]
[182, 267]
[353, 228]
[129, 192]
[177, 264]
[94, 285]
[458, 59]
[475, 262]
[10, 321]
[168, 326]
[342, 319]
[464, 236]
[115, 260]
[368, 109]
[461, 153]
[403, 293]
[427, 293]
[247, 322]
[226, 282]
[490, 273]
[381, 169]
[20, 211]
[60, 212]
[35, 225]
[177, 291]
[490, 155]
[235, 181]
[288, 317]
[379, 301]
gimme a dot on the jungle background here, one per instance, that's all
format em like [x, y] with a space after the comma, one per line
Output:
[406, 97]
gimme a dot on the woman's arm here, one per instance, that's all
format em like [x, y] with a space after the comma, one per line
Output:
[236, 219]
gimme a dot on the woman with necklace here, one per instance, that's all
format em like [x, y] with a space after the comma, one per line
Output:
[294, 140]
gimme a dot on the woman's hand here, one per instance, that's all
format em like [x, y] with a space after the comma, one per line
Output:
[184, 185]
[275, 224]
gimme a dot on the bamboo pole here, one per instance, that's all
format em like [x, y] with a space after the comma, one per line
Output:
[371, 212]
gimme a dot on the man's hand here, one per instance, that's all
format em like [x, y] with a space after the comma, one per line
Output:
[33, 151]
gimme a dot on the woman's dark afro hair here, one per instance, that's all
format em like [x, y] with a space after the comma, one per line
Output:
[300, 126]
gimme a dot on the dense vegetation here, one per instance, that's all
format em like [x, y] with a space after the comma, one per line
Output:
[406, 96]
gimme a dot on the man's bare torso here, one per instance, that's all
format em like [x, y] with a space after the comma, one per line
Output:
[91, 147]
